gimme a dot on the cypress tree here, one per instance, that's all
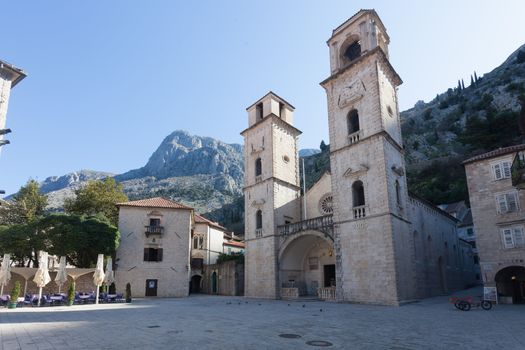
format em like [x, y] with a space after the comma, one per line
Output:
[471, 80]
[462, 85]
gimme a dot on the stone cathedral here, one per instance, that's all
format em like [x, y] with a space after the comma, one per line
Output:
[357, 235]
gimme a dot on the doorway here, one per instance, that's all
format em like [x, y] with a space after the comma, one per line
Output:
[510, 282]
[151, 287]
[329, 275]
[195, 284]
[214, 283]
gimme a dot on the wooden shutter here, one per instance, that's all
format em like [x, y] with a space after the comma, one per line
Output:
[146, 254]
[512, 201]
[506, 169]
[501, 203]
[159, 254]
[519, 239]
[508, 242]
[496, 168]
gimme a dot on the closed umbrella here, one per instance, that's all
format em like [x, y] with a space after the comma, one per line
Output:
[61, 276]
[5, 274]
[98, 276]
[110, 275]
[42, 274]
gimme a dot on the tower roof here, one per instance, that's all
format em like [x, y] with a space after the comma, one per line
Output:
[16, 74]
[358, 15]
[277, 97]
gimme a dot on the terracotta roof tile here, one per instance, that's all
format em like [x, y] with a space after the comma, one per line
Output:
[496, 153]
[202, 220]
[156, 202]
[234, 244]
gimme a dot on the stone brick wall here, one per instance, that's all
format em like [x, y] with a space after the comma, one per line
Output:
[230, 278]
[172, 272]
[488, 223]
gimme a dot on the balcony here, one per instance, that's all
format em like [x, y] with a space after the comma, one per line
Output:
[153, 230]
[359, 212]
[518, 170]
[258, 232]
[322, 223]
[354, 137]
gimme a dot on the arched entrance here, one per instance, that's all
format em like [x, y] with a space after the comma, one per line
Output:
[195, 284]
[214, 282]
[306, 263]
[510, 282]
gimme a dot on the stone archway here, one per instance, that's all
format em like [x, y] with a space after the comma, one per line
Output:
[510, 282]
[306, 263]
[195, 284]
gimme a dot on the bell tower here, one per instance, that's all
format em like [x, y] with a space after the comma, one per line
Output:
[369, 188]
[271, 189]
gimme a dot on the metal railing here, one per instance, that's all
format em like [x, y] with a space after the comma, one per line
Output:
[154, 230]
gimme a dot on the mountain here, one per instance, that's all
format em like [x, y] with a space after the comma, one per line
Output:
[308, 152]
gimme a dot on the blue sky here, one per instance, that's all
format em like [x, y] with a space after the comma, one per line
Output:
[108, 80]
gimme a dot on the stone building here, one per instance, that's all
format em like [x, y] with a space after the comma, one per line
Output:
[154, 251]
[360, 237]
[9, 77]
[499, 221]
[167, 250]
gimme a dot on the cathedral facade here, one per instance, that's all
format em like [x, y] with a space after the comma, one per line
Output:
[357, 235]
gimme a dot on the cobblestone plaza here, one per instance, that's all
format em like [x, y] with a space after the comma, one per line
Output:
[213, 322]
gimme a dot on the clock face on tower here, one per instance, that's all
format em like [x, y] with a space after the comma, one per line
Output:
[325, 204]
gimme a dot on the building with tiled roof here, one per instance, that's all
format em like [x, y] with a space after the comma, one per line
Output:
[166, 247]
[498, 222]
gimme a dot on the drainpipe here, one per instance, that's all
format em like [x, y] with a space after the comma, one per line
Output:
[304, 192]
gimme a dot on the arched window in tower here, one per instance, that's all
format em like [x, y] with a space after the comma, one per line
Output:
[398, 193]
[353, 51]
[353, 121]
[258, 167]
[258, 219]
[358, 194]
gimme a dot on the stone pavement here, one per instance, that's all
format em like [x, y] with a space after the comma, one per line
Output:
[214, 322]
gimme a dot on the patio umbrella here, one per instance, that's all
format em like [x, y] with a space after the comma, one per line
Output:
[110, 276]
[42, 274]
[98, 276]
[5, 274]
[61, 276]
[26, 272]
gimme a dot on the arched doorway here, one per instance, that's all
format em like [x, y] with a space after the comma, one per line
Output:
[214, 282]
[195, 284]
[307, 263]
[510, 282]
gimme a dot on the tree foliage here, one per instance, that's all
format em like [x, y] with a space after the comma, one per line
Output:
[27, 205]
[97, 197]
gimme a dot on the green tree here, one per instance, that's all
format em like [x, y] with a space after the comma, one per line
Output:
[80, 238]
[22, 241]
[97, 197]
[27, 205]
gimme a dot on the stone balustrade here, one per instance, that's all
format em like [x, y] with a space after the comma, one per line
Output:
[290, 293]
[359, 212]
[326, 293]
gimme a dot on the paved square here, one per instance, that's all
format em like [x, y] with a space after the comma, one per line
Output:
[213, 322]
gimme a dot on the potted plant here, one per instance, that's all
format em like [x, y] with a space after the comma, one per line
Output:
[71, 294]
[15, 293]
[128, 293]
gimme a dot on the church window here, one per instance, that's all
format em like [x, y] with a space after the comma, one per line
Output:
[353, 121]
[286, 159]
[258, 167]
[415, 238]
[358, 194]
[398, 193]
[326, 204]
[353, 51]
[258, 219]
[259, 111]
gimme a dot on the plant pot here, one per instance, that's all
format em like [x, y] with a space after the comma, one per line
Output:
[128, 300]
[69, 303]
[11, 305]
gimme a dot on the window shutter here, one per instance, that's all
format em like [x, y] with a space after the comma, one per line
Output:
[519, 240]
[501, 203]
[146, 254]
[159, 254]
[497, 171]
[506, 169]
[507, 238]
[512, 201]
